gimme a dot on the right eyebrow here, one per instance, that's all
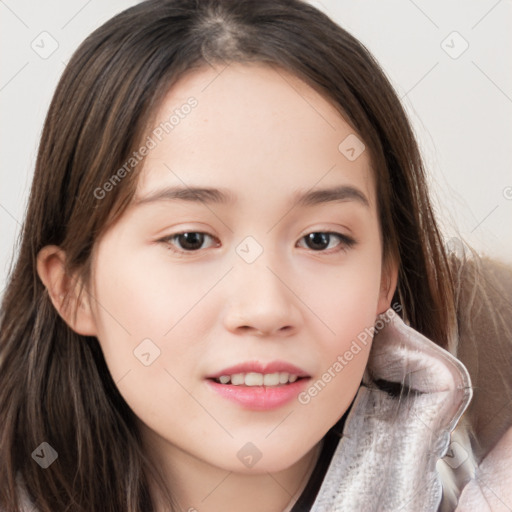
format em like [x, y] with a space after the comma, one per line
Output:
[194, 194]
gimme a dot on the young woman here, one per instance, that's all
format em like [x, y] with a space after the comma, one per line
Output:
[231, 292]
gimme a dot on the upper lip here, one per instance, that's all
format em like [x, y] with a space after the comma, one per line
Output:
[258, 367]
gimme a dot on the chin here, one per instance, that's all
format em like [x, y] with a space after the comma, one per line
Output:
[271, 460]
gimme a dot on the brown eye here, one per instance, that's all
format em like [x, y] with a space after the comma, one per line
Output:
[189, 241]
[320, 241]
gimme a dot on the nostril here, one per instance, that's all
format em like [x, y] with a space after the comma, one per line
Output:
[265, 332]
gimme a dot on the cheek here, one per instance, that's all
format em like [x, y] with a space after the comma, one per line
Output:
[346, 296]
[146, 314]
[343, 361]
[140, 296]
[151, 325]
[347, 303]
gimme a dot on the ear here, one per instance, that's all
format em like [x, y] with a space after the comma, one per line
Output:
[388, 282]
[64, 289]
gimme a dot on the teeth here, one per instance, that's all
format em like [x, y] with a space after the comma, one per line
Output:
[258, 379]
[271, 379]
[283, 377]
[237, 379]
[253, 379]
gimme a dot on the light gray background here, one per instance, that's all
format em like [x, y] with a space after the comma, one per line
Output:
[460, 105]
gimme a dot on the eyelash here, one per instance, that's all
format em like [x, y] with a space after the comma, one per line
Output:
[346, 242]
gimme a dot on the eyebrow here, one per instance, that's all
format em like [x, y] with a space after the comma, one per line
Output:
[342, 193]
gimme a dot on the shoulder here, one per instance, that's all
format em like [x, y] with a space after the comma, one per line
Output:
[484, 309]
[491, 488]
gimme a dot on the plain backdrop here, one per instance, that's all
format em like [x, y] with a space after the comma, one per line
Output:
[449, 61]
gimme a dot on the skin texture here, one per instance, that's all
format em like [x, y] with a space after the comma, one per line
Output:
[263, 135]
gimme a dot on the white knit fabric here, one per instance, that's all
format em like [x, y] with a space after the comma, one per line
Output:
[386, 460]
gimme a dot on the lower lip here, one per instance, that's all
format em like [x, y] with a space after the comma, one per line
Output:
[259, 398]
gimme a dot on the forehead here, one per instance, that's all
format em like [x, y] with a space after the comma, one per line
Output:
[252, 129]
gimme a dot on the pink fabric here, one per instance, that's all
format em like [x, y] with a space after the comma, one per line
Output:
[491, 489]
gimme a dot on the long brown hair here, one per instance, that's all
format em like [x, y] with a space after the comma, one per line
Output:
[54, 384]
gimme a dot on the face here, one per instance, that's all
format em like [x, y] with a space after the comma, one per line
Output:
[265, 272]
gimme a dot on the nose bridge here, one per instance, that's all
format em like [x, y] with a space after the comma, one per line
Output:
[258, 296]
[262, 280]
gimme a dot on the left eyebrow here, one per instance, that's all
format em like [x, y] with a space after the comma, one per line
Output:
[210, 195]
[327, 195]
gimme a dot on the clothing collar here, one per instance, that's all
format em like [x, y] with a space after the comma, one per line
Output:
[412, 395]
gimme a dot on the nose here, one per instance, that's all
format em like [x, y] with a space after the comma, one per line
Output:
[261, 302]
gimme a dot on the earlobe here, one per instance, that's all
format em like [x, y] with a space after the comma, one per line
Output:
[388, 283]
[63, 291]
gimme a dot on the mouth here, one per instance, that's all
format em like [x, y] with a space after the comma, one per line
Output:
[258, 386]
[259, 391]
[255, 379]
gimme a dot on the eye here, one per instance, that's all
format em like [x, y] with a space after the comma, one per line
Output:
[189, 241]
[319, 241]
